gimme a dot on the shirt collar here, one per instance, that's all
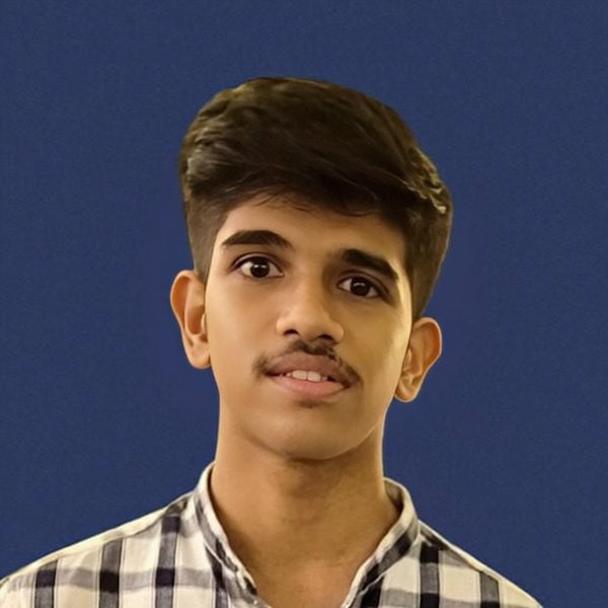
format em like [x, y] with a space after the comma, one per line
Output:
[395, 544]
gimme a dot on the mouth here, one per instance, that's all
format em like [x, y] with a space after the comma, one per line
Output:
[308, 388]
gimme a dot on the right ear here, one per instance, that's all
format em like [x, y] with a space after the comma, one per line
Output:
[188, 304]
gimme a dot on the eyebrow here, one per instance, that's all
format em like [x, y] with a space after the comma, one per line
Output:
[356, 257]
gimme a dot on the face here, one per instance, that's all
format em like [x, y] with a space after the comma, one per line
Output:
[263, 301]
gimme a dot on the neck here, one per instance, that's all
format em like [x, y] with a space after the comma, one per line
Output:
[282, 515]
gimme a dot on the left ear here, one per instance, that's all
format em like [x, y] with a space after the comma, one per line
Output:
[423, 350]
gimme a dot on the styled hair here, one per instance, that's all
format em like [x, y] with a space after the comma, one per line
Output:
[334, 147]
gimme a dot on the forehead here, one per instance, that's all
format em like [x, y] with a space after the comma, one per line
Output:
[296, 216]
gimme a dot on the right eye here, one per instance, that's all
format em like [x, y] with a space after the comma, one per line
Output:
[256, 265]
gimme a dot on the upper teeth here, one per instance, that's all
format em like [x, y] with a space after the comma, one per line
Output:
[301, 374]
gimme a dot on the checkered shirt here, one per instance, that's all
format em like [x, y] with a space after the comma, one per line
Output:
[179, 557]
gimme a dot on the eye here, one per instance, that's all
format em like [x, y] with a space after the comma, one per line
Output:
[257, 266]
[358, 281]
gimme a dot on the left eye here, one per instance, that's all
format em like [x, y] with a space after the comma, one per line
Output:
[262, 262]
[364, 282]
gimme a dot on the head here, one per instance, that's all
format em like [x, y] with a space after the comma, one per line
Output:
[329, 169]
[336, 148]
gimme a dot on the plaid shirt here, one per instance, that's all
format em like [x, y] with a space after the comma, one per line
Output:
[179, 557]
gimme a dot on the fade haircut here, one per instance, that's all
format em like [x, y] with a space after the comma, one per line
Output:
[334, 147]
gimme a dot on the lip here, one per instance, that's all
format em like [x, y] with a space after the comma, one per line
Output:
[305, 388]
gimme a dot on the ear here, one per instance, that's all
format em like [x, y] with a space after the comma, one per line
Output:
[188, 304]
[424, 349]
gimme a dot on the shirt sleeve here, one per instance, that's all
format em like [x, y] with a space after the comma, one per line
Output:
[11, 596]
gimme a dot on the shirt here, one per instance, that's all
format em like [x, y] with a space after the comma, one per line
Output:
[179, 557]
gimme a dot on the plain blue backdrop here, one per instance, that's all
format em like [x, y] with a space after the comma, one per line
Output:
[103, 419]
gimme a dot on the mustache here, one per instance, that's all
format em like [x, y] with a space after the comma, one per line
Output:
[299, 346]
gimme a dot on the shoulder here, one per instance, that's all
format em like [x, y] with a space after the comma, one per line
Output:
[78, 566]
[462, 576]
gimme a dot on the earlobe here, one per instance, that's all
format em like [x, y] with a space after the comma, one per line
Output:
[406, 390]
[424, 349]
[187, 299]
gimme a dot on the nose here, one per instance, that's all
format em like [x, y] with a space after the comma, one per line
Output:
[308, 312]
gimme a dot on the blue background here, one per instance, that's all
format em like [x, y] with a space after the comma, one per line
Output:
[103, 419]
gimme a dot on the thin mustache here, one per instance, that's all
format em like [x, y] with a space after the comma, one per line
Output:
[319, 351]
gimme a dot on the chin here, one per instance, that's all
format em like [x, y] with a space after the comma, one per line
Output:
[309, 451]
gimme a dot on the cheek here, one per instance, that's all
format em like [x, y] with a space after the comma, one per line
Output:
[227, 319]
[384, 362]
[222, 333]
[235, 340]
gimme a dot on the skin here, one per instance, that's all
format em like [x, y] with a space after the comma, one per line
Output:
[298, 486]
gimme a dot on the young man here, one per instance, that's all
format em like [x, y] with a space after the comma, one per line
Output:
[318, 229]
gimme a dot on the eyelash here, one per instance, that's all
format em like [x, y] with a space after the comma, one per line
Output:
[240, 263]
